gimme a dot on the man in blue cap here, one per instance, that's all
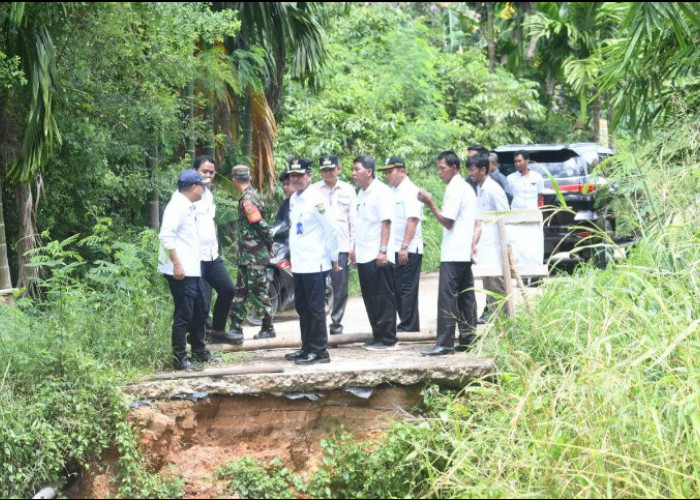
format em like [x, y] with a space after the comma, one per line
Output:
[180, 263]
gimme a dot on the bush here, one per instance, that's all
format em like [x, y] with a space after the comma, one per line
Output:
[64, 357]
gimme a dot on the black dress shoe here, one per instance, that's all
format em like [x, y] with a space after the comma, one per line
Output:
[236, 329]
[295, 355]
[206, 357]
[227, 338]
[266, 333]
[335, 329]
[482, 320]
[183, 363]
[437, 351]
[312, 357]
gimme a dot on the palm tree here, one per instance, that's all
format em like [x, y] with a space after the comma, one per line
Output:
[651, 67]
[30, 140]
[288, 32]
[568, 35]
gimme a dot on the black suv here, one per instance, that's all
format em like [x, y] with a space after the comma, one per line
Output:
[572, 166]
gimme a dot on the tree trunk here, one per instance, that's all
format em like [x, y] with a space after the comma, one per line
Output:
[248, 123]
[596, 117]
[28, 239]
[153, 195]
[209, 113]
[490, 37]
[5, 277]
[609, 117]
[583, 103]
[191, 137]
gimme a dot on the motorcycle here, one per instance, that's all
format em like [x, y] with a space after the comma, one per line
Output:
[280, 281]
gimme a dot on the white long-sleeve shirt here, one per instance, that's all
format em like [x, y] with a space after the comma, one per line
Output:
[179, 232]
[313, 237]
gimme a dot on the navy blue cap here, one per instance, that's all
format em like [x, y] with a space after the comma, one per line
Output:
[189, 177]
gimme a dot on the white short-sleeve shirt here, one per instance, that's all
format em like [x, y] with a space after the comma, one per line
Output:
[490, 198]
[526, 190]
[374, 205]
[407, 206]
[458, 205]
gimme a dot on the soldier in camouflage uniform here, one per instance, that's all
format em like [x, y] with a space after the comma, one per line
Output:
[254, 243]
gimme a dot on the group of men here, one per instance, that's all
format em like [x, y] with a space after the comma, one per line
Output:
[378, 230]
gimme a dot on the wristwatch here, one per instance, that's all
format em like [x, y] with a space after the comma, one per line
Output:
[404, 247]
[382, 249]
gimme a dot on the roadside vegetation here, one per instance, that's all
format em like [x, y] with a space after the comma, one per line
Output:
[101, 105]
[596, 394]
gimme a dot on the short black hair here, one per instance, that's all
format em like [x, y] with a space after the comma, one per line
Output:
[450, 158]
[367, 162]
[478, 148]
[479, 160]
[523, 153]
[284, 176]
[203, 159]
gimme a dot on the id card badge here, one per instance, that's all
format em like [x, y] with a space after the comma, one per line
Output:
[300, 228]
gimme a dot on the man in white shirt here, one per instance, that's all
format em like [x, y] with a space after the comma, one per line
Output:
[408, 243]
[460, 235]
[374, 253]
[180, 263]
[313, 244]
[214, 272]
[342, 199]
[527, 186]
[490, 198]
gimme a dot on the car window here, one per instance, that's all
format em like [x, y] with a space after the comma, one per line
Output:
[559, 170]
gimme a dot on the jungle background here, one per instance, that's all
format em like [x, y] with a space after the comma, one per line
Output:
[102, 105]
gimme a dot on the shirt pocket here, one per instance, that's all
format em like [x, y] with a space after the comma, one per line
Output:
[342, 208]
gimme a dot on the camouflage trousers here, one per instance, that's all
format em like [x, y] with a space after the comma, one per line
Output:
[251, 288]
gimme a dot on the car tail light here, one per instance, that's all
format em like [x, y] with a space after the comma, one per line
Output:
[284, 264]
[578, 188]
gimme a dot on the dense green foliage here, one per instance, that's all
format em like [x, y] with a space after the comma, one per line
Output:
[101, 105]
[389, 89]
[63, 360]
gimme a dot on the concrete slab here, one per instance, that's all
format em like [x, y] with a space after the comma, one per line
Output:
[351, 366]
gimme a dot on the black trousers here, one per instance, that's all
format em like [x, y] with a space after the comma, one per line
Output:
[406, 281]
[189, 316]
[377, 284]
[309, 299]
[215, 276]
[339, 282]
[456, 304]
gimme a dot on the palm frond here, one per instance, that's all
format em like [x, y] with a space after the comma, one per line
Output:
[264, 134]
[41, 134]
